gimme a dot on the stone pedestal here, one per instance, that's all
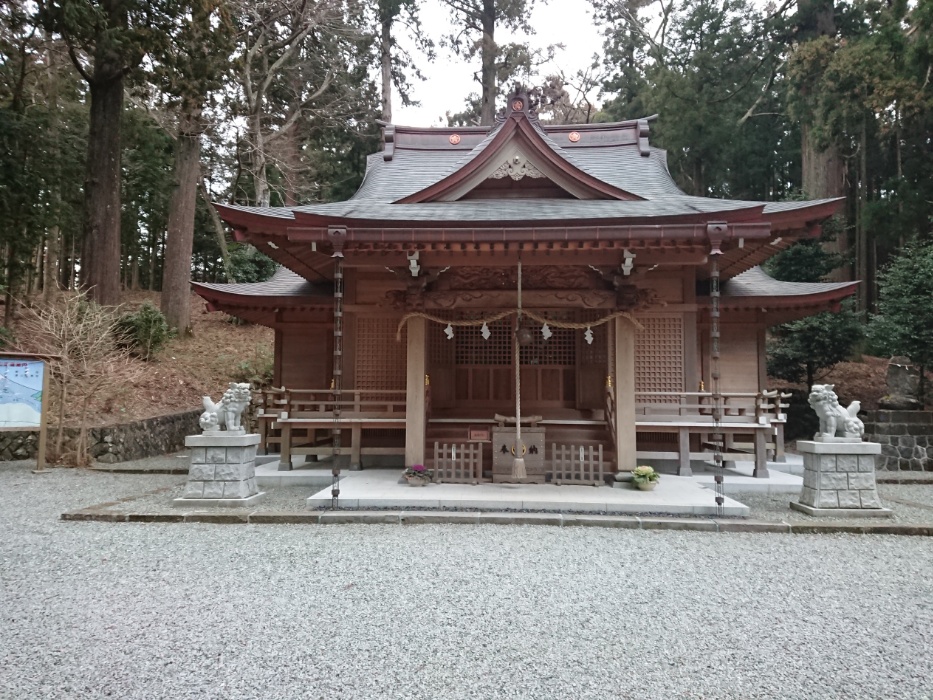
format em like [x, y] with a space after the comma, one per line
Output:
[223, 470]
[839, 478]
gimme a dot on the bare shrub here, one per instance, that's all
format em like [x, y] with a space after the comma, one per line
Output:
[88, 366]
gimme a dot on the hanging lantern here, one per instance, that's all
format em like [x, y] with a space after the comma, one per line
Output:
[524, 336]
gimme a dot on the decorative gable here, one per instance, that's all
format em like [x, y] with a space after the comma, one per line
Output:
[517, 152]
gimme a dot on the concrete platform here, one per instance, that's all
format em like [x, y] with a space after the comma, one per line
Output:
[381, 489]
[783, 477]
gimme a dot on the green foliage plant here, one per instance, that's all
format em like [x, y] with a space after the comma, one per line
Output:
[144, 332]
[257, 369]
[904, 323]
[798, 350]
[645, 475]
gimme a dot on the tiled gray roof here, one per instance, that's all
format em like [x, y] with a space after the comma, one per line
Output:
[284, 283]
[757, 283]
[508, 210]
[623, 167]
[504, 210]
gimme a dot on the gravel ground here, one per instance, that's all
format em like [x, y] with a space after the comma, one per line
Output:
[93, 610]
[910, 503]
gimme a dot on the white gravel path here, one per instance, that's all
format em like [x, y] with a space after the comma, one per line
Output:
[92, 610]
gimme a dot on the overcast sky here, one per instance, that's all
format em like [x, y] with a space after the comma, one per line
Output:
[449, 80]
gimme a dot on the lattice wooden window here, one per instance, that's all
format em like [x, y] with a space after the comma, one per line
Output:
[440, 350]
[597, 352]
[381, 362]
[559, 349]
[472, 349]
[659, 355]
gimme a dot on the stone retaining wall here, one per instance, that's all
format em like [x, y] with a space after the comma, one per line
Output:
[114, 443]
[906, 439]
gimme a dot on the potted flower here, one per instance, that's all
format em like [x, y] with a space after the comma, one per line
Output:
[418, 475]
[645, 478]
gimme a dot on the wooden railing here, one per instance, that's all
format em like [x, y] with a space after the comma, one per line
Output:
[695, 403]
[306, 420]
[296, 402]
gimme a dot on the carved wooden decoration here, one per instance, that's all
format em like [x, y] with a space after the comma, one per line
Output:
[516, 168]
[533, 277]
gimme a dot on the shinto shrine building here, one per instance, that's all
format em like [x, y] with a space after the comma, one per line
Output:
[638, 331]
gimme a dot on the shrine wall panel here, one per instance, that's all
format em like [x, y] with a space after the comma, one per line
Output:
[741, 355]
[370, 288]
[380, 360]
[659, 354]
[306, 357]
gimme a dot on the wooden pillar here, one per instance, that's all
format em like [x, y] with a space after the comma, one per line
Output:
[414, 399]
[625, 393]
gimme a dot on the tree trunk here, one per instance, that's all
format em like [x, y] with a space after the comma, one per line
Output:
[100, 255]
[823, 168]
[488, 74]
[218, 231]
[260, 179]
[385, 58]
[861, 240]
[176, 268]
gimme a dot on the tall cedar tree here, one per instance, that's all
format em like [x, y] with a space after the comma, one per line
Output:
[396, 63]
[477, 35]
[189, 71]
[106, 41]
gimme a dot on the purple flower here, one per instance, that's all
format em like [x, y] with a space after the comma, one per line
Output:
[417, 468]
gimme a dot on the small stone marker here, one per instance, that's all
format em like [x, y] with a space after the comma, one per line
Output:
[223, 462]
[839, 469]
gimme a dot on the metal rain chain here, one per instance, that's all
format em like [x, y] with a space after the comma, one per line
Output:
[518, 463]
[337, 384]
[718, 437]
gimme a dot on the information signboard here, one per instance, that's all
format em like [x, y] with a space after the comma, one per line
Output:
[21, 385]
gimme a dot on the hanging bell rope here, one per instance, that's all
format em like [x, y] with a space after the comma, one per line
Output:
[518, 462]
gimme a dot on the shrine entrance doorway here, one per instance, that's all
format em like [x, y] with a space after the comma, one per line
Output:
[473, 372]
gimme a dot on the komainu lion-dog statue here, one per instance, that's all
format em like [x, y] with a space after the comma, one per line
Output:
[227, 412]
[835, 421]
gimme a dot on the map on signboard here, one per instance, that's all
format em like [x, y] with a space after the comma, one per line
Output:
[20, 393]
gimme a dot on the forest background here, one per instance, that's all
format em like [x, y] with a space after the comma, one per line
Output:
[121, 120]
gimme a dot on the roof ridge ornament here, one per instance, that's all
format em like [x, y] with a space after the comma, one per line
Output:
[521, 101]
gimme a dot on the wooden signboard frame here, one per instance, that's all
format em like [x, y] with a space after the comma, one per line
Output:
[43, 413]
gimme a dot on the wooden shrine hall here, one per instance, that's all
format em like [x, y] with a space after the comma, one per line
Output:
[549, 275]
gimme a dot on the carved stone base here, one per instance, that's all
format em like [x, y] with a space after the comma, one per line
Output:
[838, 477]
[222, 471]
[842, 512]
